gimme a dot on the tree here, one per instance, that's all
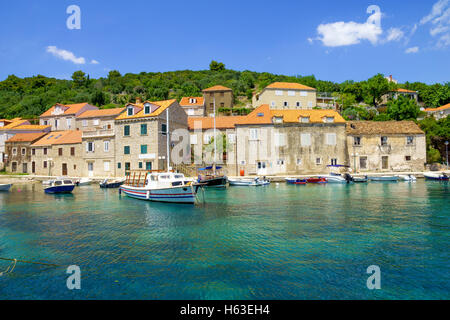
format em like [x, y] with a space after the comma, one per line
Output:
[216, 66]
[346, 100]
[376, 87]
[79, 79]
[402, 108]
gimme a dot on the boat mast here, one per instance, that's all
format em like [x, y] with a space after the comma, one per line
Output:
[215, 142]
[167, 138]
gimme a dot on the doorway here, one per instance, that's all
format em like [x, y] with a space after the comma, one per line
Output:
[64, 169]
[33, 167]
[90, 169]
[385, 162]
[262, 168]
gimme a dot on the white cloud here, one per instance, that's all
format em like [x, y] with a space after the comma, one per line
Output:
[349, 33]
[439, 18]
[65, 55]
[412, 50]
[395, 34]
[94, 62]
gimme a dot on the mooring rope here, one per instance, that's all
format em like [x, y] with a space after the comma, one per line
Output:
[13, 264]
[32, 262]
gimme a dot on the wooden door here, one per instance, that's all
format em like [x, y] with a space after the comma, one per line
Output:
[64, 169]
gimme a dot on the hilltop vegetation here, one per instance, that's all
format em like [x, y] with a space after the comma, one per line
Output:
[30, 97]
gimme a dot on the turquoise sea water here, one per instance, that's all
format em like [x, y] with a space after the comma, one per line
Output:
[276, 242]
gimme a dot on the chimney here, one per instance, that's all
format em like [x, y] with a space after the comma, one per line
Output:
[138, 100]
[390, 77]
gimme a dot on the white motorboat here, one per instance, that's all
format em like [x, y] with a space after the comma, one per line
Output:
[248, 182]
[84, 182]
[384, 178]
[337, 178]
[60, 186]
[436, 176]
[5, 187]
[407, 177]
[161, 187]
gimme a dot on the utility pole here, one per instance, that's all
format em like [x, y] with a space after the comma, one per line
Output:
[446, 151]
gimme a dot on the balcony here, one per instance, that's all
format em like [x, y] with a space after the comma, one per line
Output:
[98, 133]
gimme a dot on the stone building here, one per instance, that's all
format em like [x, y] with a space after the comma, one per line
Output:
[399, 92]
[59, 153]
[140, 135]
[220, 95]
[439, 113]
[98, 141]
[285, 142]
[286, 95]
[193, 106]
[20, 153]
[386, 146]
[62, 117]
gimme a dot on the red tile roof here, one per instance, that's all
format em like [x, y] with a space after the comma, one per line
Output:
[218, 88]
[26, 137]
[221, 122]
[438, 109]
[70, 109]
[289, 85]
[185, 102]
[405, 91]
[101, 113]
[60, 137]
[163, 105]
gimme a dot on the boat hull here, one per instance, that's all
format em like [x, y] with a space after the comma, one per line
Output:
[112, 185]
[182, 194]
[5, 187]
[296, 181]
[384, 179]
[317, 180]
[218, 182]
[436, 177]
[248, 183]
[60, 189]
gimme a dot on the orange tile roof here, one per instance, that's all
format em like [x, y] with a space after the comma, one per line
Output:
[405, 91]
[382, 127]
[14, 123]
[185, 101]
[289, 85]
[163, 105]
[101, 113]
[60, 137]
[260, 115]
[218, 88]
[221, 122]
[438, 109]
[26, 137]
[32, 127]
[71, 109]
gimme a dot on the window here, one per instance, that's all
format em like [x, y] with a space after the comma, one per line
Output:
[44, 164]
[119, 165]
[90, 147]
[231, 138]
[356, 141]
[130, 111]
[222, 94]
[363, 163]
[126, 150]
[14, 151]
[272, 103]
[303, 94]
[277, 120]
[253, 134]
[148, 166]
[304, 119]
[143, 149]
[318, 161]
[45, 151]
[126, 130]
[328, 119]
[222, 104]
[24, 151]
[147, 109]
[45, 122]
[106, 146]
[14, 167]
[96, 122]
[408, 158]
[192, 100]
[33, 152]
[143, 129]
[106, 166]
[331, 139]
[60, 151]
[278, 92]
[280, 139]
[56, 123]
[72, 151]
[190, 112]
[305, 139]
[334, 162]
[409, 140]
[69, 123]
[207, 138]
[299, 162]
[84, 123]
[280, 162]
[384, 141]
[291, 93]
[127, 166]
[310, 104]
[164, 129]
[140, 165]
[286, 104]
[193, 139]
[298, 104]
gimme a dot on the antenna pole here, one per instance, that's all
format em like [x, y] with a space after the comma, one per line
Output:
[215, 142]
[168, 140]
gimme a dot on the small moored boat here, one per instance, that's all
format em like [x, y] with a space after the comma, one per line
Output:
[384, 178]
[84, 182]
[317, 180]
[297, 181]
[5, 187]
[212, 178]
[407, 177]
[360, 179]
[249, 182]
[110, 184]
[436, 176]
[60, 186]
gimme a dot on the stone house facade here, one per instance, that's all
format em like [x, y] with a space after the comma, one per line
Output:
[193, 106]
[20, 153]
[141, 133]
[62, 117]
[59, 153]
[386, 146]
[399, 92]
[287, 142]
[286, 95]
[439, 113]
[220, 95]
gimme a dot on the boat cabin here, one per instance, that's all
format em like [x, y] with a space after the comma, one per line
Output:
[157, 179]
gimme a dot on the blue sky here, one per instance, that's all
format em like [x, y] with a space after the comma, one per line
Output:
[334, 40]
